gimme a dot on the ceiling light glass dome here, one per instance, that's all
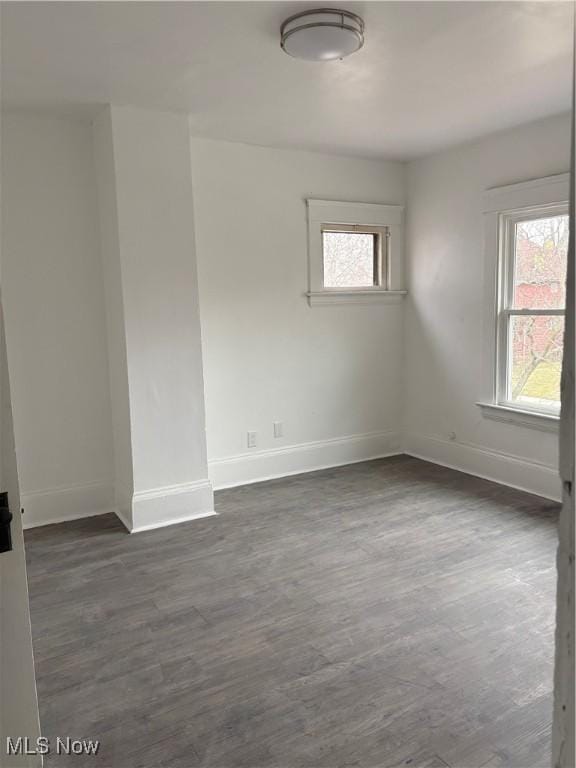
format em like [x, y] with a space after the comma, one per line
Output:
[323, 34]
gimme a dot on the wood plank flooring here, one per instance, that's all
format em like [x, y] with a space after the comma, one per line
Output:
[391, 613]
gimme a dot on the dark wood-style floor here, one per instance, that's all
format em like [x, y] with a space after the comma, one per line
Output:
[384, 614]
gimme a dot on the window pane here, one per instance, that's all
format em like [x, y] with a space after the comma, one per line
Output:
[348, 260]
[540, 263]
[535, 344]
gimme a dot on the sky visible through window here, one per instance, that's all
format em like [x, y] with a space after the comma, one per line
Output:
[348, 260]
[541, 248]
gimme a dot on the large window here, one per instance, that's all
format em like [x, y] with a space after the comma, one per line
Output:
[532, 291]
[525, 258]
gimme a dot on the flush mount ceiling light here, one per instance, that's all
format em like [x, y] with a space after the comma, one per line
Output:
[323, 34]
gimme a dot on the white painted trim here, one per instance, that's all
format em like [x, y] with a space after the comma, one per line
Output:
[171, 504]
[170, 490]
[368, 296]
[123, 519]
[363, 214]
[497, 466]
[58, 505]
[259, 466]
[535, 192]
[123, 506]
[339, 211]
[173, 521]
[161, 524]
[501, 206]
[545, 422]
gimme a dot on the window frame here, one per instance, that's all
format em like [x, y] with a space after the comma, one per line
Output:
[330, 215]
[380, 256]
[503, 208]
[506, 311]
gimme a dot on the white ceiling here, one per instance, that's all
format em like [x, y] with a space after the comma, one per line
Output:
[430, 74]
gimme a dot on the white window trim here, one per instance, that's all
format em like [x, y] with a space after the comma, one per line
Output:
[510, 201]
[330, 212]
[545, 422]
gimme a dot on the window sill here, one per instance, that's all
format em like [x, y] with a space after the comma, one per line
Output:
[545, 422]
[320, 298]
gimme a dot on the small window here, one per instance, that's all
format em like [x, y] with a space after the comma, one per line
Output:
[353, 256]
[354, 253]
[534, 249]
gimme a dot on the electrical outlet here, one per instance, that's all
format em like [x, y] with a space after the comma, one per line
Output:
[278, 429]
[252, 439]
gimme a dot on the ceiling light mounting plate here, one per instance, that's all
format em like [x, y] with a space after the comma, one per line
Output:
[322, 34]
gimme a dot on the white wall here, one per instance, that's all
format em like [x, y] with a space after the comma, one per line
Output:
[332, 374]
[116, 332]
[446, 306]
[54, 312]
[155, 262]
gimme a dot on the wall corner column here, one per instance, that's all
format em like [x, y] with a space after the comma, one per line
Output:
[149, 262]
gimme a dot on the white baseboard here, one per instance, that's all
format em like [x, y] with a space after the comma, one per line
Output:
[57, 505]
[124, 519]
[258, 466]
[170, 504]
[497, 466]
